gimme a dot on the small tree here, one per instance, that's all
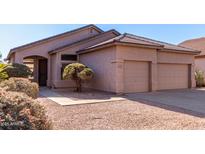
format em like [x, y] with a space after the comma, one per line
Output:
[77, 72]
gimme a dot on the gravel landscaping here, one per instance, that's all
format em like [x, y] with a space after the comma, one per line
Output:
[118, 115]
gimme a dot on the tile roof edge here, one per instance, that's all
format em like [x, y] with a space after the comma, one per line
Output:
[132, 35]
[160, 41]
[90, 38]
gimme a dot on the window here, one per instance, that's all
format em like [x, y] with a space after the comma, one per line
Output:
[69, 57]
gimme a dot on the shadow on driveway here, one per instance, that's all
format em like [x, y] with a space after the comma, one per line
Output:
[188, 101]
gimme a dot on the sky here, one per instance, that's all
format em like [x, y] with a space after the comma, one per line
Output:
[16, 35]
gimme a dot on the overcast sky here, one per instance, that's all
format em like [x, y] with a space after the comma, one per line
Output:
[15, 35]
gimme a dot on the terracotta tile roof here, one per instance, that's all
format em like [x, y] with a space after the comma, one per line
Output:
[164, 44]
[133, 39]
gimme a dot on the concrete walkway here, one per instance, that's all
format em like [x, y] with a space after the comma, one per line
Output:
[66, 97]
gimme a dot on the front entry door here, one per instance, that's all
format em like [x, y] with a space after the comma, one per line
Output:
[42, 73]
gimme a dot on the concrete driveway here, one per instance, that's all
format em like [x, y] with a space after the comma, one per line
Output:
[187, 101]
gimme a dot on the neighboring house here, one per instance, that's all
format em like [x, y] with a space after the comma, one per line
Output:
[123, 63]
[197, 44]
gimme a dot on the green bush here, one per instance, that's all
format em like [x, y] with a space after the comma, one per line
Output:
[18, 70]
[77, 72]
[21, 85]
[20, 112]
[199, 77]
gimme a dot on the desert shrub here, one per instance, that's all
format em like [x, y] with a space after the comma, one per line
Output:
[3, 73]
[18, 70]
[20, 112]
[21, 85]
[199, 77]
[79, 73]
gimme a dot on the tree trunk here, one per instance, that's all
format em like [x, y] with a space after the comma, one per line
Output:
[78, 85]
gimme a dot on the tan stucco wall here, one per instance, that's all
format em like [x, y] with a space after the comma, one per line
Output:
[169, 57]
[102, 59]
[103, 64]
[43, 49]
[155, 57]
[107, 63]
[137, 54]
[58, 82]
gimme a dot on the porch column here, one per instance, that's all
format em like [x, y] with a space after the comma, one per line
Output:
[153, 76]
[49, 71]
[193, 82]
[35, 69]
[119, 66]
[58, 61]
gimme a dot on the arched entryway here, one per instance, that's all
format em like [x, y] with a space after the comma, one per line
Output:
[39, 67]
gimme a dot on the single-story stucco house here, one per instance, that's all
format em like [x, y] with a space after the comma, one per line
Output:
[197, 44]
[123, 63]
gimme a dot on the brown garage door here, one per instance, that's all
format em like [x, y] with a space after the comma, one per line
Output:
[136, 76]
[172, 76]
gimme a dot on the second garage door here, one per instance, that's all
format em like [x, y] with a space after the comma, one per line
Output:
[136, 76]
[172, 76]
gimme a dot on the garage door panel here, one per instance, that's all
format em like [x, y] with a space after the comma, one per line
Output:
[172, 76]
[136, 76]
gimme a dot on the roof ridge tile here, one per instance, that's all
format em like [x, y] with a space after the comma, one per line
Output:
[160, 41]
[145, 40]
